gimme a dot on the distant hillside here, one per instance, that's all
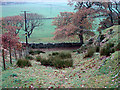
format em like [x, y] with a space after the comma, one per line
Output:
[11, 3]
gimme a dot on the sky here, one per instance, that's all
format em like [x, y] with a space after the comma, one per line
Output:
[34, 0]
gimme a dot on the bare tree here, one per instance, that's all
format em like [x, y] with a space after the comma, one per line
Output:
[33, 20]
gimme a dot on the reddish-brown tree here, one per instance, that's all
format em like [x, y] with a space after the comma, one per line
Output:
[70, 24]
[16, 21]
[108, 8]
[9, 39]
[33, 20]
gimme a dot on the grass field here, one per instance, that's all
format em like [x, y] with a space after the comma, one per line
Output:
[86, 73]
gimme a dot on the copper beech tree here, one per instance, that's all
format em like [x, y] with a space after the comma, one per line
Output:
[70, 24]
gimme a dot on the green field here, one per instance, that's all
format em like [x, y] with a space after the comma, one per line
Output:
[42, 33]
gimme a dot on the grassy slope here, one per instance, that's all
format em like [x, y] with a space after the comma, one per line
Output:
[98, 72]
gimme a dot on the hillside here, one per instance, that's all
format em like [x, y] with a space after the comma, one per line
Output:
[98, 71]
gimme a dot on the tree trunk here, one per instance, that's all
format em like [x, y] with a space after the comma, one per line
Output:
[27, 50]
[20, 54]
[3, 55]
[99, 38]
[111, 19]
[111, 16]
[81, 38]
[15, 54]
[10, 53]
[119, 20]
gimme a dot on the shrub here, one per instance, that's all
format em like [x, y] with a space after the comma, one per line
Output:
[107, 49]
[59, 60]
[62, 63]
[64, 55]
[110, 45]
[46, 62]
[23, 62]
[90, 52]
[117, 47]
[112, 50]
[31, 52]
[55, 53]
[38, 58]
[59, 63]
[50, 54]
[68, 63]
[29, 57]
[74, 51]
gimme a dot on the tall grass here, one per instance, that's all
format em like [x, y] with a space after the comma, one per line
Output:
[107, 49]
[23, 62]
[58, 60]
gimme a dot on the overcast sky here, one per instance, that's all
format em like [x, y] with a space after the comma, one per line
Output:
[34, 0]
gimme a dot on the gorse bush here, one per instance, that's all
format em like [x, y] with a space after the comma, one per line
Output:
[59, 60]
[107, 49]
[23, 62]
[29, 57]
[90, 52]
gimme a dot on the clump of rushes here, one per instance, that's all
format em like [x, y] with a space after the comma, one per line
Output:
[23, 62]
[29, 57]
[55, 53]
[90, 52]
[58, 60]
[31, 52]
[117, 48]
[64, 55]
[38, 58]
[107, 50]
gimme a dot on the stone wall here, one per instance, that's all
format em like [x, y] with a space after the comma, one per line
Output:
[53, 45]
